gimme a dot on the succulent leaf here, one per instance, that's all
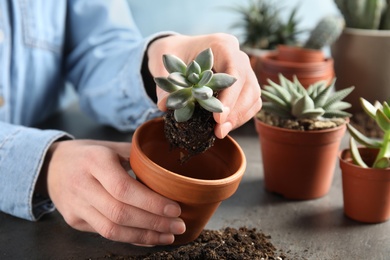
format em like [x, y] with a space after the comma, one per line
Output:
[305, 103]
[357, 159]
[193, 67]
[362, 139]
[193, 78]
[212, 104]
[202, 93]
[206, 77]
[193, 83]
[185, 113]
[382, 120]
[317, 101]
[382, 163]
[221, 81]
[174, 64]
[368, 108]
[166, 85]
[205, 59]
[179, 79]
[179, 98]
[386, 109]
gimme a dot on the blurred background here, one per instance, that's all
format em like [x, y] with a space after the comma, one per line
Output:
[209, 16]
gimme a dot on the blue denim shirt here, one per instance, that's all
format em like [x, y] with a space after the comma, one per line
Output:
[94, 45]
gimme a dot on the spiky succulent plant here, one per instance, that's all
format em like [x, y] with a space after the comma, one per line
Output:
[291, 100]
[381, 114]
[192, 83]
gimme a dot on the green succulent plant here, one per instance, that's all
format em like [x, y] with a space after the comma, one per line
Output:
[291, 100]
[192, 83]
[365, 14]
[263, 26]
[381, 114]
[327, 30]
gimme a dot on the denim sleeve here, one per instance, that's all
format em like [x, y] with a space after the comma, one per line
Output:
[22, 151]
[104, 54]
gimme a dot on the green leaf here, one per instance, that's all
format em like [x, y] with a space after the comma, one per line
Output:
[302, 104]
[322, 96]
[202, 93]
[338, 96]
[193, 78]
[212, 104]
[179, 79]
[386, 109]
[205, 59]
[336, 113]
[368, 108]
[220, 81]
[382, 163]
[185, 113]
[341, 105]
[179, 98]
[361, 138]
[174, 64]
[275, 110]
[312, 113]
[357, 159]
[275, 99]
[193, 67]
[205, 77]
[382, 120]
[279, 91]
[166, 85]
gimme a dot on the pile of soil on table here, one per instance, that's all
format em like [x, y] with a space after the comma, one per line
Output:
[229, 243]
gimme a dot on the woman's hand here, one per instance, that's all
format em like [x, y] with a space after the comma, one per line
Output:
[91, 188]
[241, 101]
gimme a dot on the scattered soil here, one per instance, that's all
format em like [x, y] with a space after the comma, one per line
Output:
[193, 136]
[229, 243]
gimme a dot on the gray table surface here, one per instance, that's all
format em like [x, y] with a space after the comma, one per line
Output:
[314, 229]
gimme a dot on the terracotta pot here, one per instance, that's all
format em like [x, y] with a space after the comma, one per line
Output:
[366, 191]
[298, 164]
[198, 186]
[309, 66]
[362, 59]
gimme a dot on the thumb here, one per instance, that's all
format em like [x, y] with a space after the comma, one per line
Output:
[161, 98]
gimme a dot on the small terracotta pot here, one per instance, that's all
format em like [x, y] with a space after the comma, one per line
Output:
[198, 186]
[298, 164]
[309, 66]
[366, 191]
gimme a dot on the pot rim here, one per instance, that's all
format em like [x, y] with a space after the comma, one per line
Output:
[367, 32]
[184, 179]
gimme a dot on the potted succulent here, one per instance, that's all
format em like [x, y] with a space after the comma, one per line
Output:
[307, 62]
[166, 153]
[300, 131]
[264, 29]
[366, 169]
[361, 53]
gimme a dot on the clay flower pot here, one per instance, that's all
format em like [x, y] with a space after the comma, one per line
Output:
[199, 185]
[366, 191]
[298, 164]
[308, 65]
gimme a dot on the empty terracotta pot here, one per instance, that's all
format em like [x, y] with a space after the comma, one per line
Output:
[366, 191]
[298, 164]
[199, 185]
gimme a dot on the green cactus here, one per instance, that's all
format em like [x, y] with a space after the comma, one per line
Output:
[263, 26]
[191, 84]
[327, 30]
[365, 14]
[290, 100]
[381, 114]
